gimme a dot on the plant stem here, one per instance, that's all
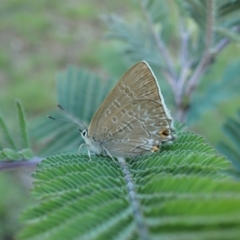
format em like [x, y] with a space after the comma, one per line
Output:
[224, 42]
[160, 45]
[207, 56]
[142, 229]
[13, 165]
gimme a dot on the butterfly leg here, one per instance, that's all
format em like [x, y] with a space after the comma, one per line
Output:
[79, 149]
[89, 153]
[109, 154]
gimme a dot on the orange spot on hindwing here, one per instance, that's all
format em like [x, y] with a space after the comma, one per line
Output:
[164, 133]
[155, 149]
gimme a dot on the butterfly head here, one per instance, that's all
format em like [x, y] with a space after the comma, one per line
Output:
[84, 134]
[93, 145]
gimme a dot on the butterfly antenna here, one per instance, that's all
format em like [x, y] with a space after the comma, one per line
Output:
[69, 115]
[73, 119]
[62, 108]
[61, 120]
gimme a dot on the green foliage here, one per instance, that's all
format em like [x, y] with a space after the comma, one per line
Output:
[46, 36]
[183, 193]
[17, 147]
[80, 93]
[166, 16]
[183, 32]
[22, 125]
[225, 15]
[138, 44]
[226, 33]
[216, 92]
[5, 134]
[231, 148]
[14, 198]
[226, 11]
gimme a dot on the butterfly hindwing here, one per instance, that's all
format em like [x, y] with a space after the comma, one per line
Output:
[133, 119]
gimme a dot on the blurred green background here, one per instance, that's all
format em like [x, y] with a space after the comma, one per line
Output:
[37, 40]
[40, 38]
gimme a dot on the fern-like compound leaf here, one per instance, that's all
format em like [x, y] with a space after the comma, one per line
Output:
[183, 192]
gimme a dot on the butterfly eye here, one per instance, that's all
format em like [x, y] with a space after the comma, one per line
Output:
[84, 133]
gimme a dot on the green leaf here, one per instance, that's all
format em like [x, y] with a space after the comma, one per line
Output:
[228, 34]
[11, 154]
[179, 193]
[231, 153]
[198, 11]
[224, 13]
[26, 153]
[228, 15]
[22, 125]
[227, 86]
[6, 134]
[231, 148]
[228, 7]
[80, 93]
[138, 43]
[181, 29]
[2, 156]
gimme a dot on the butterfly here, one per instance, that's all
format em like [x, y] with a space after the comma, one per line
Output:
[133, 120]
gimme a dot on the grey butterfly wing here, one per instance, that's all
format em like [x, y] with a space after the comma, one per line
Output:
[133, 119]
[139, 134]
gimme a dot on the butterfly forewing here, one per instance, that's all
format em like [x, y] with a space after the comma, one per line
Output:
[133, 119]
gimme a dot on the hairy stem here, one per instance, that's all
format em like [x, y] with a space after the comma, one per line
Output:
[142, 229]
[13, 165]
[224, 41]
[161, 47]
[207, 56]
[185, 66]
[184, 44]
